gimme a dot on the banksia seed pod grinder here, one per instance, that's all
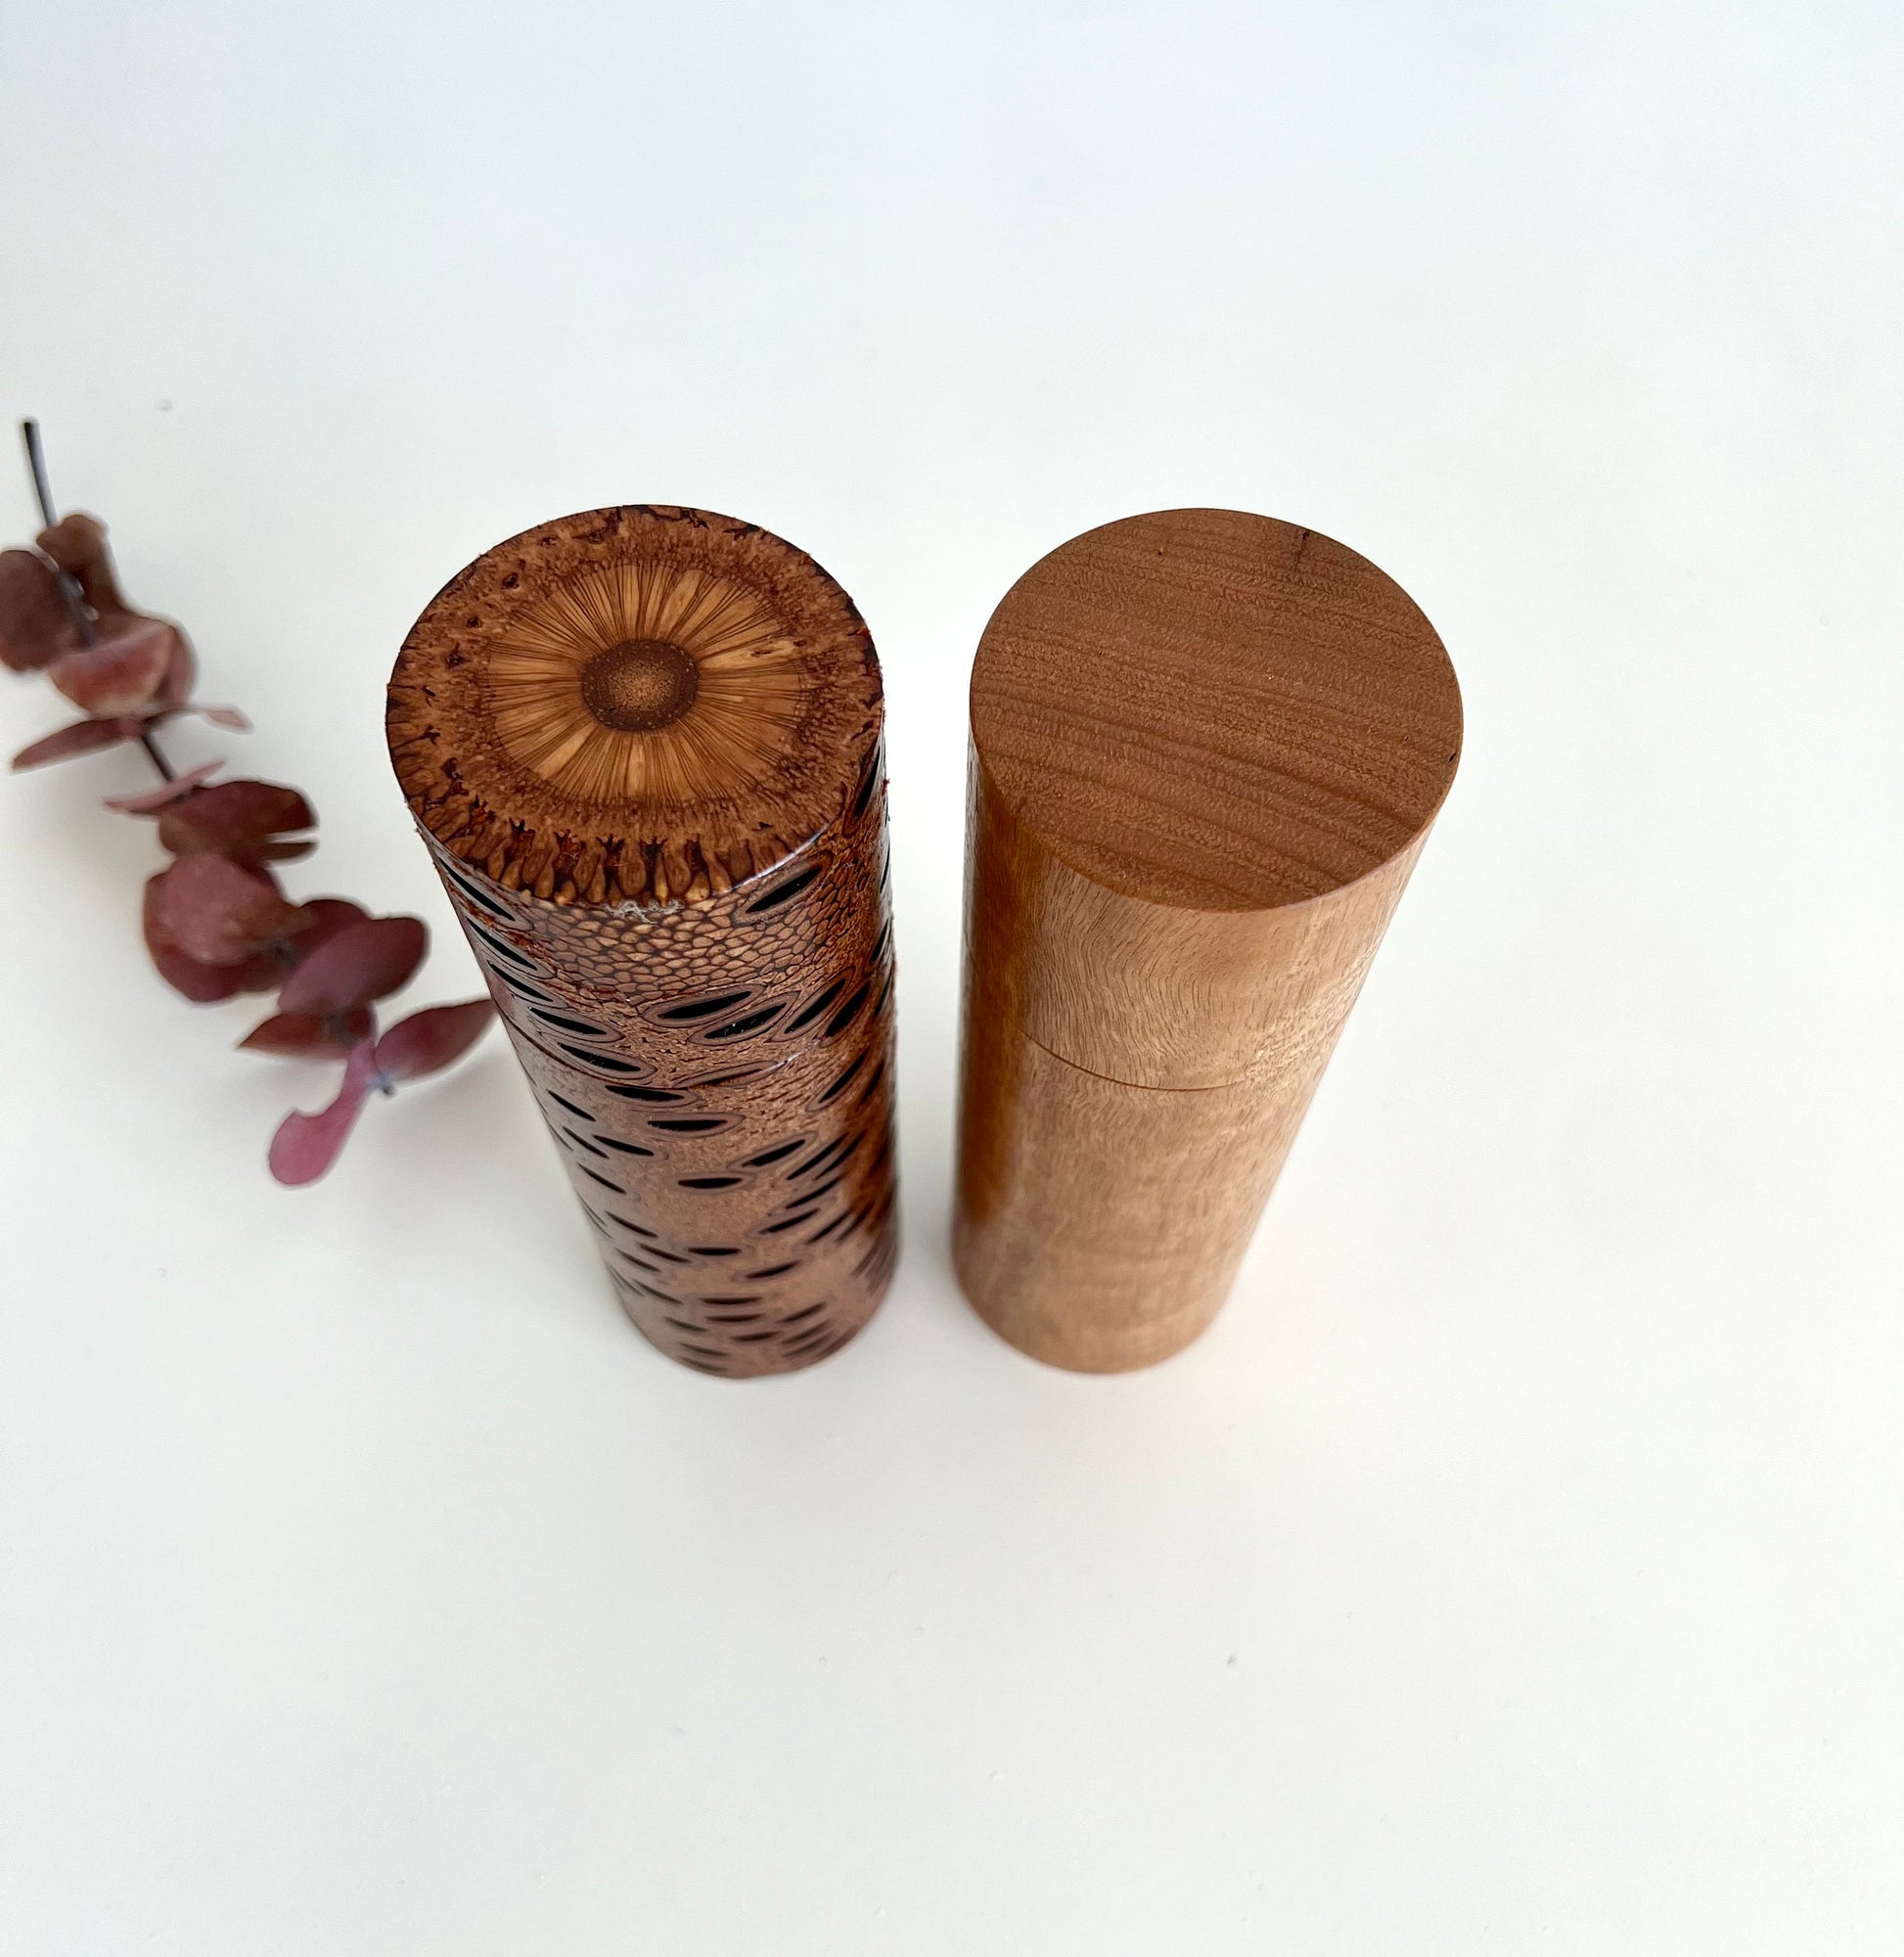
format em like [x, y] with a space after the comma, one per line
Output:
[1206, 752]
[643, 745]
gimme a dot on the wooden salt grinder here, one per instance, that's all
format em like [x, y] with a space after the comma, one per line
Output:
[643, 746]
[1206, 749]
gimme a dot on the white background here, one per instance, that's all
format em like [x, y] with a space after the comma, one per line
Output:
[1515, 1565]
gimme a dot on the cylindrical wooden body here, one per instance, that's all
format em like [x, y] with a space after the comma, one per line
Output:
[681, 907]
[1207, 749]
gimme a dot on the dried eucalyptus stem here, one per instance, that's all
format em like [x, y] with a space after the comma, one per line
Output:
[216, 921]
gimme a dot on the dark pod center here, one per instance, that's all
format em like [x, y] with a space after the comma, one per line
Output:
[639, 685]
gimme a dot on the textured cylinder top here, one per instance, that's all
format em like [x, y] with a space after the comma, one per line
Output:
[1214, 711]
[643, 704]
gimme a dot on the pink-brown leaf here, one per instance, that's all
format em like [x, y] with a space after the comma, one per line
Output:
[312, 1035]
[431, 1040]
[81, 737]
[180, 675]
[35, 620]
[203, 985]
[306, 1145]
[76, 543]
[221, 716]
[263, 971]
[239, 819]
[328, 916]
[121, 672]
[220, 912]
[153, 799]
[364, 961]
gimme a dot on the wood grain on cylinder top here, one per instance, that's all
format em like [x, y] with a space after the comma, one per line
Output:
[643, 745]
[1206, 749]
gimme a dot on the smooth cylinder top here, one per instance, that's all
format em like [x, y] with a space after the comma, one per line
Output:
[1191, 730]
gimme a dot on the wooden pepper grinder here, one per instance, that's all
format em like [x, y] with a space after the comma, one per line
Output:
[1206, 749]
[643, 745]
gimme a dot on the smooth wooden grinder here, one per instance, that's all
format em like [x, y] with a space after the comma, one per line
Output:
[644, 747]
[1207, 748]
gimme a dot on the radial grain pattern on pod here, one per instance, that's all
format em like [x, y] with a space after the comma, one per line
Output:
[1207, 749]
[644, 747]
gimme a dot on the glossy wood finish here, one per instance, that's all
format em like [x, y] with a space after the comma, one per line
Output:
[1206, 750]
[644, 747]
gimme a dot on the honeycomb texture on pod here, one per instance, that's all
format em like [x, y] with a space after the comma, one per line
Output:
[714, 1058]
